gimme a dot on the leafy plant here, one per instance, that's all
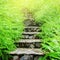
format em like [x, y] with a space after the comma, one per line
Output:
[11, 26]
[50, 16]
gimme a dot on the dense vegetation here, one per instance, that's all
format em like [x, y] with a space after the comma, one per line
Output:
[49, 16]
[46, 12]
[11, 26]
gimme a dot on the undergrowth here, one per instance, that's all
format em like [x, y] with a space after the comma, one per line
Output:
[49, 15]
[11, 27]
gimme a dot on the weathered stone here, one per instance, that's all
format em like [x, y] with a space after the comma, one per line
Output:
[27, 57]
[15, 57]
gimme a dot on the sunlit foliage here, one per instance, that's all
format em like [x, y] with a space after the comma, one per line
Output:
[11, 25]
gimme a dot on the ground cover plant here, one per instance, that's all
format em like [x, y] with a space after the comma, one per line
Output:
[49, 15]
[11, 26]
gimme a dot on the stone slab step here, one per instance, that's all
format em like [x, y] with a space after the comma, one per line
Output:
[28, 45]
[29, 51]
[35, 27]
[32, 29]
[29, 41]
[30, 33]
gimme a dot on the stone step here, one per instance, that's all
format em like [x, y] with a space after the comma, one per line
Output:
[35, 27]
[30, 33]
[31, 29]
[30, 22]
[28, 45]
[29, 51]
[30, 37]
[28, 41]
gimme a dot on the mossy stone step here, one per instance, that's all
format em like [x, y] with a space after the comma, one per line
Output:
[30, 33]
[35, 27]
[20, 51]
[28, 41]
[31, 29]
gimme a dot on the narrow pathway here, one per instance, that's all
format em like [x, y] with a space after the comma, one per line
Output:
[29, 47]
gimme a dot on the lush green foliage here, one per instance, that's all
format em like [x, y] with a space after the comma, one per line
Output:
[11, 25]
[49, 15]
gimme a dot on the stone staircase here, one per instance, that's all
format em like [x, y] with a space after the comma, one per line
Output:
[29, 47]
